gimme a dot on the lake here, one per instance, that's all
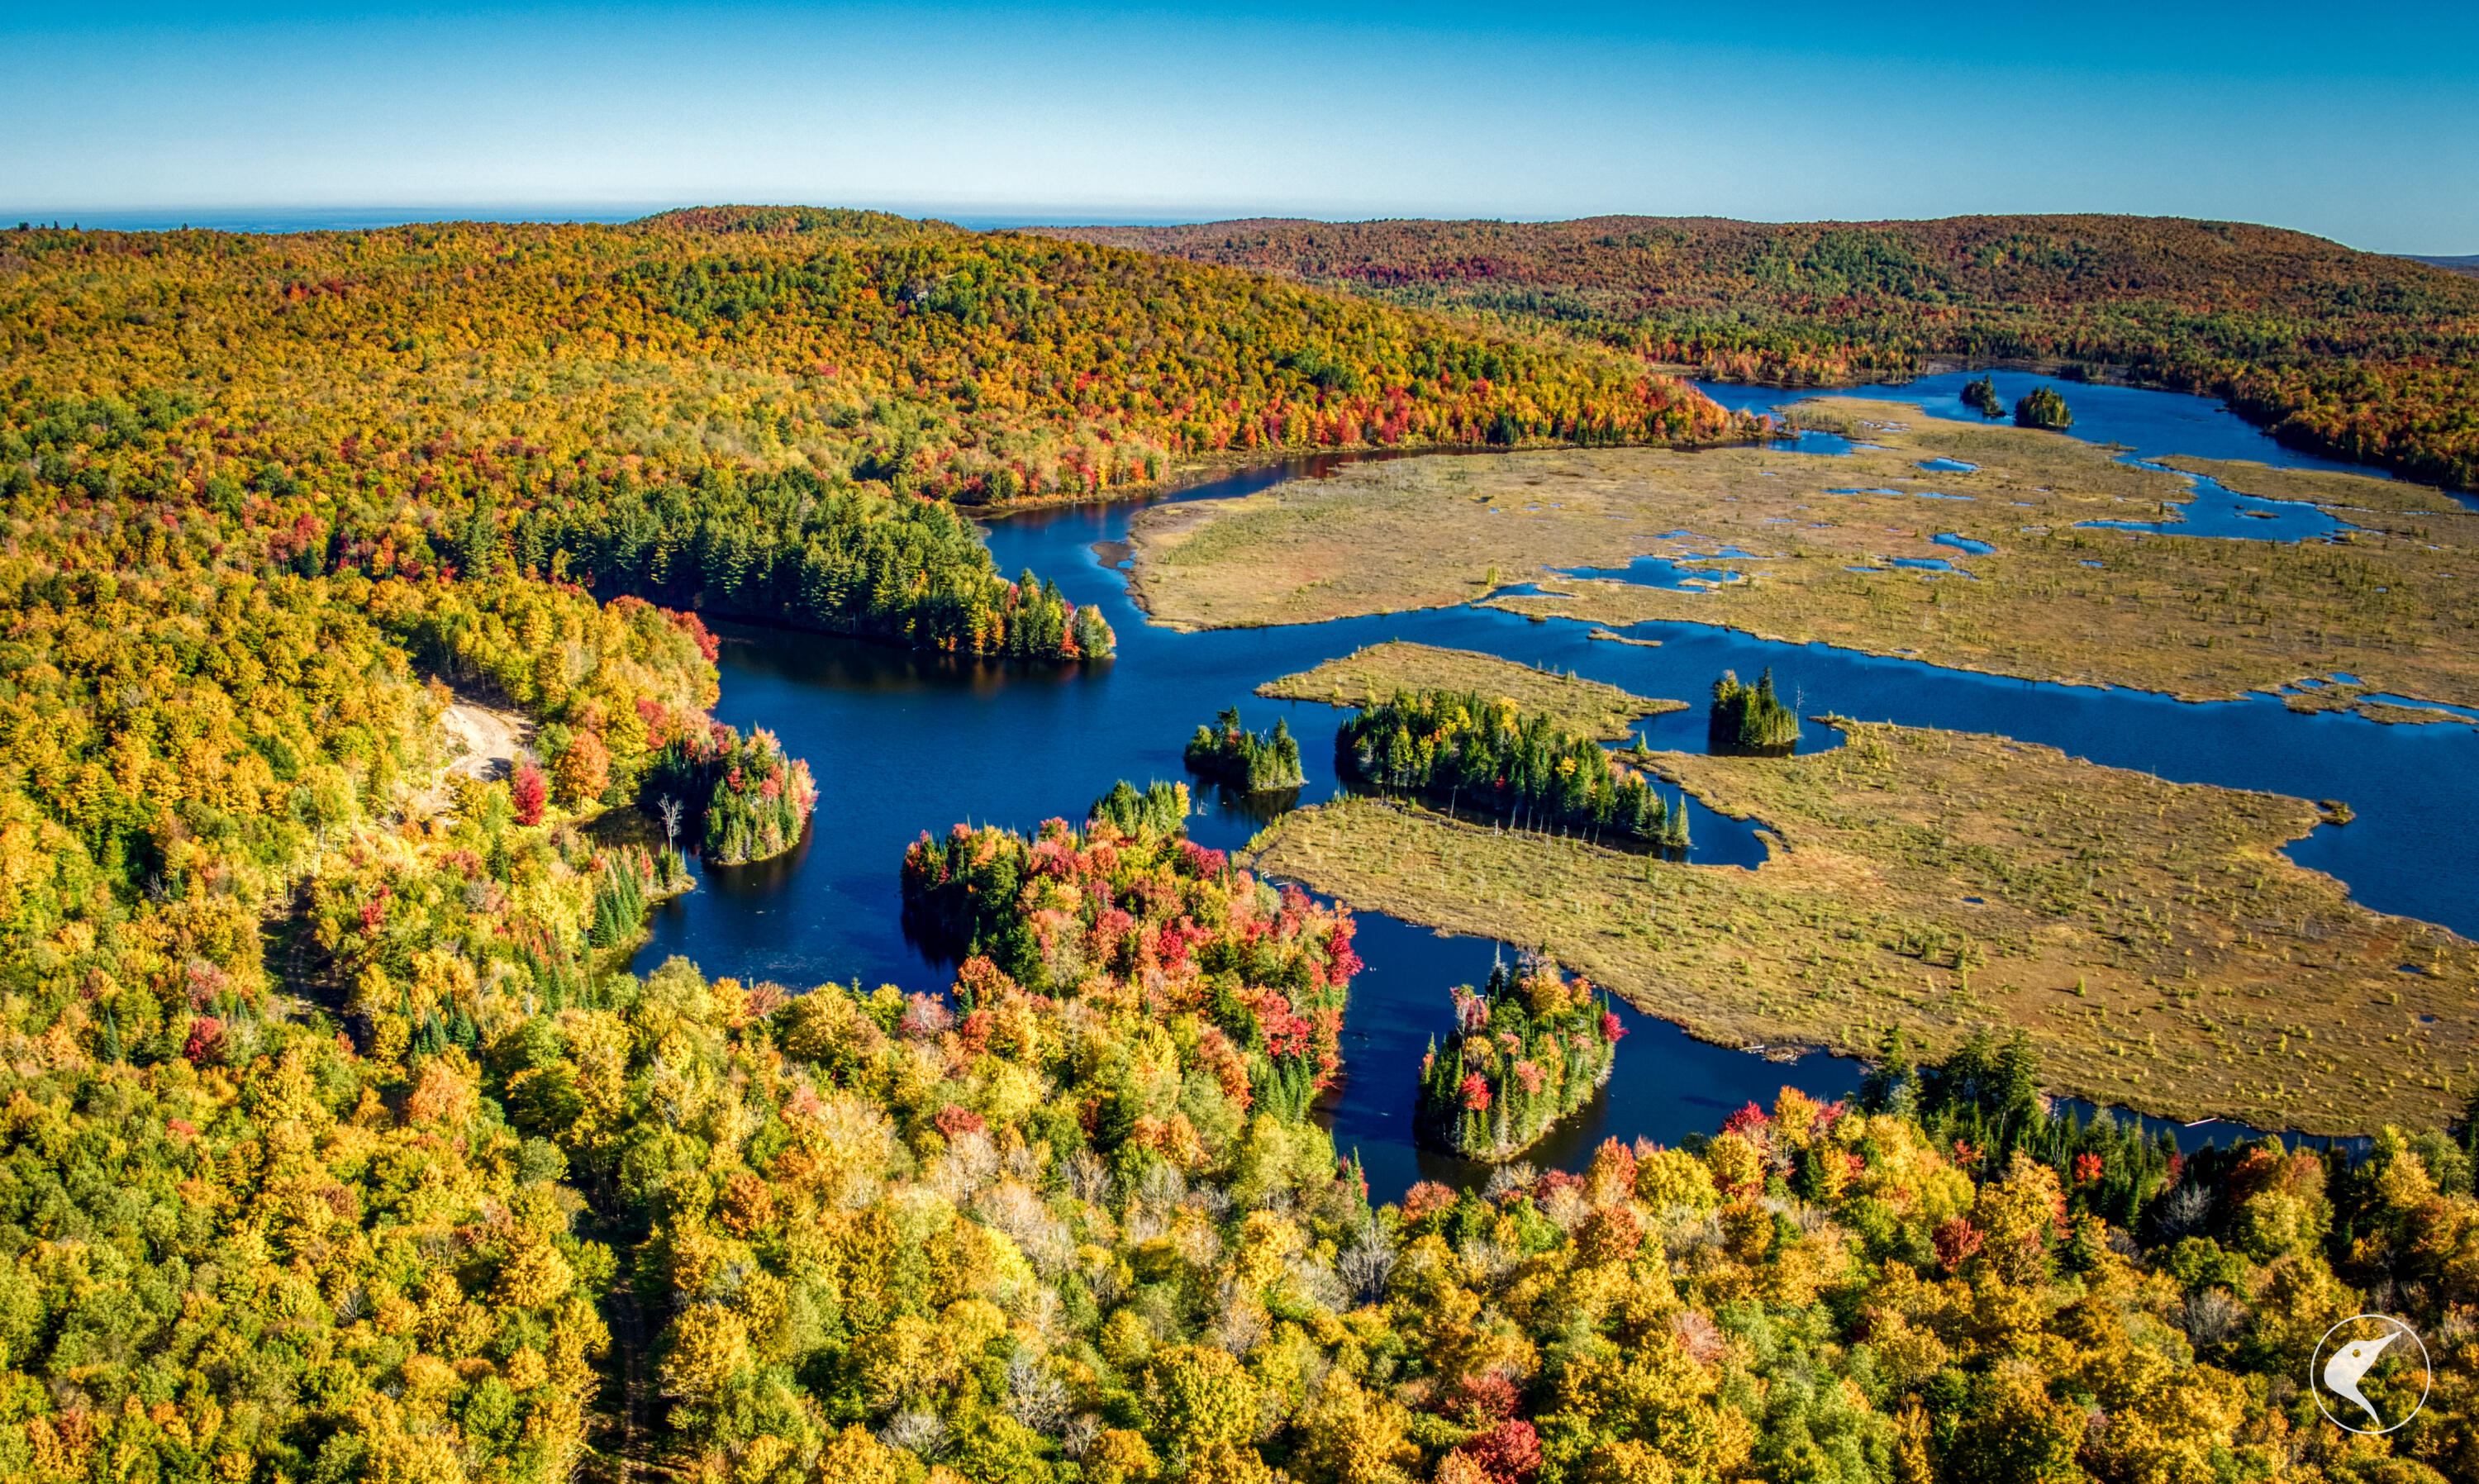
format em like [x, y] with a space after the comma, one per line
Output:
[903, 742]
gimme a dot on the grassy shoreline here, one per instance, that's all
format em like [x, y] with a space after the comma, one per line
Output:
[1376, 672]
[1197, 470]
[2161, 950]
[2199, 617]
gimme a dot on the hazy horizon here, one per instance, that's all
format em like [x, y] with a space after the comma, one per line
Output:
[1164, 112]
[971, 217]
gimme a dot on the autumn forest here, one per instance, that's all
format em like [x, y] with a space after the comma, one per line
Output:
[340, 1140]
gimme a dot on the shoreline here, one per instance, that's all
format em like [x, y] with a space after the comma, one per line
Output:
[1295, 554]
[1730, 955]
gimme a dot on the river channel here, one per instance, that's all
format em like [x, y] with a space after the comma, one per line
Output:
[902, 742]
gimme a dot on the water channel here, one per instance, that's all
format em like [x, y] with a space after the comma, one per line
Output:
[902, 742]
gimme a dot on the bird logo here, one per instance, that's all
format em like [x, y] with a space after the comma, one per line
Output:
[2342, 1363]
[2351, 1361]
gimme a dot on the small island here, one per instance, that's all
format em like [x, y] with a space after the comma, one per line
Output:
[755, 799]
[2043, 408]
[1251, 761]
[1750, 720]
[1529, 1049]
[1981, 396]
[1464, 749]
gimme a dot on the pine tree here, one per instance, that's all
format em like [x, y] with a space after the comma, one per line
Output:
[1255, 762]
[2044, 408]
[1750, 716]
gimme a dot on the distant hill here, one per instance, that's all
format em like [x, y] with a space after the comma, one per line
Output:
[860, 348]
[2362, 355]
[2466, 264]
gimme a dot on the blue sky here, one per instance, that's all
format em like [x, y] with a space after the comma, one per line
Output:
[2361, 123]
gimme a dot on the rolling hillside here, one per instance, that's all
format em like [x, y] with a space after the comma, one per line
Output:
[2355, 354]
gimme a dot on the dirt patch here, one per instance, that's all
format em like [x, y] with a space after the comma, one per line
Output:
[481, 742]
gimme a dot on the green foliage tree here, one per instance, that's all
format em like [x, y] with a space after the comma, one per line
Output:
[1251, 761]
[1161, 809]
[1528, 1050]
[1751, 717]
[1470, 751]
[2043, 407]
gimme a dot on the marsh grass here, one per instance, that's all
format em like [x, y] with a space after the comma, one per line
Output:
[2150, 937]
[2396, 603]
[1369, 675]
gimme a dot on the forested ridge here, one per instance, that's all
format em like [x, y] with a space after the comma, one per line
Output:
[2357, 355]
[447, 363]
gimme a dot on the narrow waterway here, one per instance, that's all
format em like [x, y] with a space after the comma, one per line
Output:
[903, 742]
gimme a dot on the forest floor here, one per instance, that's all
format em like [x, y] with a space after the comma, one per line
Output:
[2395, 604]
[2160, 951]
[1368, 675]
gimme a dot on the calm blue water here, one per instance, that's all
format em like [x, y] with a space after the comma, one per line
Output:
[2217, 510]
[1661, 572]
[1963, 543]
[903, 742]
[2148, 424]
[1921, 493]
[2151, 424]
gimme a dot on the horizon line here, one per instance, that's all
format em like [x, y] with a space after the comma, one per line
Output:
[278, 220]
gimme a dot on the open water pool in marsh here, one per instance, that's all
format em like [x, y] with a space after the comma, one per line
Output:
[902, 742]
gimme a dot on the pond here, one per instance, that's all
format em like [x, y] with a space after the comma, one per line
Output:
[902, 742]
[2217, 510]
[1662, 571]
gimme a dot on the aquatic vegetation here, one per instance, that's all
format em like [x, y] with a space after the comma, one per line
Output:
[2198, 618]
[1466, 751]
[1251, 761]
[1750, 717]
[2042, 407]
[1527, 1050]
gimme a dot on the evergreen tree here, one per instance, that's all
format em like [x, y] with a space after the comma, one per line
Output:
[1747, 717]
[1255, 762]
[2044, 408]
[1161, 811]
[1982, 398]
